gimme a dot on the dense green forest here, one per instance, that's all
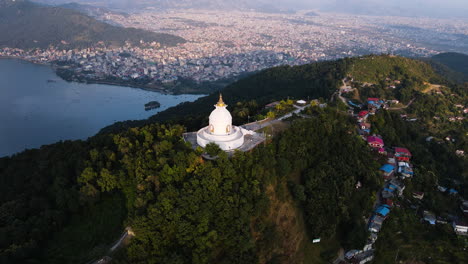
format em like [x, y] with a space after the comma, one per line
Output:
[182, 208]
[68, 202]
[453, 65]
[28, 25]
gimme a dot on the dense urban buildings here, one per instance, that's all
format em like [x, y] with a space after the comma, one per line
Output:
[226, 44]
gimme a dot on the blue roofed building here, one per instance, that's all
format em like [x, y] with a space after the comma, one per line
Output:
[383, 211]
[387, 170]
[429, 217]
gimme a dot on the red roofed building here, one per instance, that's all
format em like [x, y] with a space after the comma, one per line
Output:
[375, 142]
[402, 154]
[363, 113]
[388, 202]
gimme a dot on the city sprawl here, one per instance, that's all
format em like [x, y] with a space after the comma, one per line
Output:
[226, 44]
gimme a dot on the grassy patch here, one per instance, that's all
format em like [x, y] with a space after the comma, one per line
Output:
[324, 252]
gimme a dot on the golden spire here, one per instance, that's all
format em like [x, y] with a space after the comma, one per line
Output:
[220, 102]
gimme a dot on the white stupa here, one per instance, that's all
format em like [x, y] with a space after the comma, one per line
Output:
[220, 129]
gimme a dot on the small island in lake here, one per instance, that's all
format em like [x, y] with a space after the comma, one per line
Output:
[152, 105]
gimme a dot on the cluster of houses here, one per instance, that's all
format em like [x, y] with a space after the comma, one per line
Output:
[394, 171]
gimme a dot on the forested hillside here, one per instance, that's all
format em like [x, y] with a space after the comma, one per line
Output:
[315, 178]
[451, 64]
[208, 211]
[28, 25]
[375, 69]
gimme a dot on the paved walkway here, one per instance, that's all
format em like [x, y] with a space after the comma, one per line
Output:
[297, 111]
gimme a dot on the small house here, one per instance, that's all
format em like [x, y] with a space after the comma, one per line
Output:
[376, 219]
[301, 102]
[441, 188]
[400, 187]
[363, 114]
[405, 170]
[374, 103]
[387, 193]
[402, 154]
[387, 171]
[441, 220]
[375, 227]
[460, 227]
[388, 202]
[375, 142]
[429, 217]
[418, 195]
[464, 207]
[383, 211]
[364, 257]
[350, 254]
[365, 127]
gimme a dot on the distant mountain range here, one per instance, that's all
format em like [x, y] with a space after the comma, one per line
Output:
[133, 5]
[27, 25]
[428, 8]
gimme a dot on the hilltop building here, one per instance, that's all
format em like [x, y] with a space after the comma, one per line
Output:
[221, 132]
[220, 129]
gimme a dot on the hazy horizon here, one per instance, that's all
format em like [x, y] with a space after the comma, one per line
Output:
[411, 8]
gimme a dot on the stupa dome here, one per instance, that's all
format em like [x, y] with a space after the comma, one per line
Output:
[220, 119]
[220, 129]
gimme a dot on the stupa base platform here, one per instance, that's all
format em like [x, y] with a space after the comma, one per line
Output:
[251, 140]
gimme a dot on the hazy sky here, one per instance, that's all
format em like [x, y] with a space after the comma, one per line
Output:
[436, 8]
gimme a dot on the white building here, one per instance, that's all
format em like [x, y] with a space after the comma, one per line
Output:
[220, 129]
[460, 228]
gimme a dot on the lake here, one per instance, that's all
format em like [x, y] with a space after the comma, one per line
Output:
[36, 112]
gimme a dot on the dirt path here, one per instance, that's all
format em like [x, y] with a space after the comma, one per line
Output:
[127, 234]
[402, 107]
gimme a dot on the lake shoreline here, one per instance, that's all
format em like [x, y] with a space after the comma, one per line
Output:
[41, 108]
[25, 60]
[122, 83]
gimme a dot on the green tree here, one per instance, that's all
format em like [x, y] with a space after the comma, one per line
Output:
[212, 149]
